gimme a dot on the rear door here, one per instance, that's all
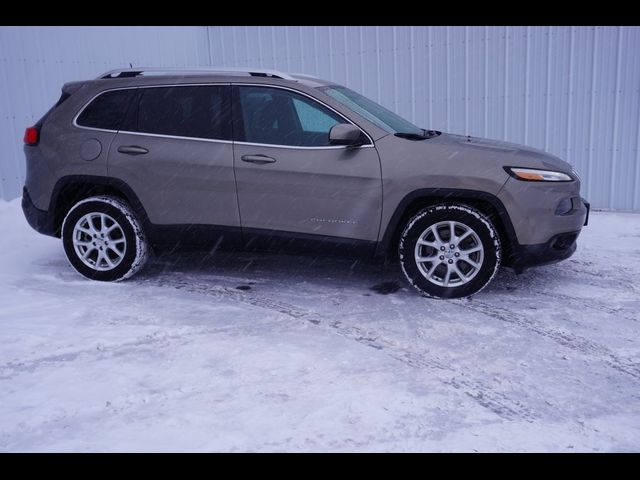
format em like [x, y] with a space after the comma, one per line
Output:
[291, 179]
[174, 150]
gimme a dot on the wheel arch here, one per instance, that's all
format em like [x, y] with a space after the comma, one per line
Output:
[71, 189]
[488, 204]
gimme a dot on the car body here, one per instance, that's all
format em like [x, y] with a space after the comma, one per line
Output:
[284, 161]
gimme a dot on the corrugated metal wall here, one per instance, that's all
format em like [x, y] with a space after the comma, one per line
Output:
[36, 61]
[573, 91]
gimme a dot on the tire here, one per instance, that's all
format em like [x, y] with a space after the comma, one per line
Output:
[471, 264]
[114, 251]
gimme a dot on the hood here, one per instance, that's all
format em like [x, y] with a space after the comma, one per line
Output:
[509, 154]
[458, 162]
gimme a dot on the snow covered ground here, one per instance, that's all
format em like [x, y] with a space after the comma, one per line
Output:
[287, 353]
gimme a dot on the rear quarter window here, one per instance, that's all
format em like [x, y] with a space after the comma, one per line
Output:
[107, 110]
[62, 98]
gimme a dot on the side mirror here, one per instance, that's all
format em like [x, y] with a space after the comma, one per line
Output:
[345, 134]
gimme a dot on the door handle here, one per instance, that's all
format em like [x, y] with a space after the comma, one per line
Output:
[133, 150]
[259, 159]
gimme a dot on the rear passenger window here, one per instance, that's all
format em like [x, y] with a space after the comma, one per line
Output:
[106, 111]
[193, 111]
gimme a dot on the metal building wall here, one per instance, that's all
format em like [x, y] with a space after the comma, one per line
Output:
[36, 61]
[573, 91]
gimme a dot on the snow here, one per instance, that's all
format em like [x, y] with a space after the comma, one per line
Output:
[312, 358]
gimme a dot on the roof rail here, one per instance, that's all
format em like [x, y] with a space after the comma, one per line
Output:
[134, 72]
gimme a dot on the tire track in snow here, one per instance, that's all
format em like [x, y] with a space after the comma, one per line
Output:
[497, 402]
[11, 369]
[566, 339]
[579, 303]
[601, 275]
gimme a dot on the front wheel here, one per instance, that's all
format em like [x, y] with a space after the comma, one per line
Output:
[103, 239]
[449, 251]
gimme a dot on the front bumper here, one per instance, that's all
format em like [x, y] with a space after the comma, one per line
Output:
[40, 220]
[558, 248]
[535, 209]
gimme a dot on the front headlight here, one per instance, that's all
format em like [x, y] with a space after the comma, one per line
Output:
[535, 175]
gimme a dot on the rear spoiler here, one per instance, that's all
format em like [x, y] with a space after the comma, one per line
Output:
[71, 87]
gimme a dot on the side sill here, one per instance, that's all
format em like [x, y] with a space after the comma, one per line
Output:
[213, 237]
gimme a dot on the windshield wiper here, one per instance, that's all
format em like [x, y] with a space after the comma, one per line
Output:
[431, 133]
[410, 136]
[416, 136]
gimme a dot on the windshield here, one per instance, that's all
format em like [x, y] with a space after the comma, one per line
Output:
[377, 114]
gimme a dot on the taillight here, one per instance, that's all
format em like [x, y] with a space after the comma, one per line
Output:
[31, 136]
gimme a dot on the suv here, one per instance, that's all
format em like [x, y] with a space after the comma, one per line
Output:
[142, 159]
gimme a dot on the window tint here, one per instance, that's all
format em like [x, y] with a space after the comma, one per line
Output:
[282, 117]
[193, 111]
[107, 110]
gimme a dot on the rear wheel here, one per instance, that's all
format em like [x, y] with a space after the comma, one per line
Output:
[449, 251]
[103, 239]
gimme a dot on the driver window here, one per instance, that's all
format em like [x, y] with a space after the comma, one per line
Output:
[277, 116]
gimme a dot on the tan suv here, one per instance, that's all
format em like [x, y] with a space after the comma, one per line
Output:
[140, 159]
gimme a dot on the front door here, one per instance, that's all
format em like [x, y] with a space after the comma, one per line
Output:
[174, 150]
[289, 177]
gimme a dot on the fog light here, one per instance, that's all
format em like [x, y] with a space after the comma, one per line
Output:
[564, 206]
